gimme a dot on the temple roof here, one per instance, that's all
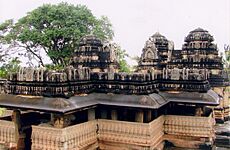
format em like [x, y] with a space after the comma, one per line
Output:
[75, 103]
[45, 104]
[199, 30]
[157, 37]
[209, 98]
[199, 34]
[91, 40]
[157, 34]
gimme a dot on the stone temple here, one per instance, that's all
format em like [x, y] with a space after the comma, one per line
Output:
[173, 98]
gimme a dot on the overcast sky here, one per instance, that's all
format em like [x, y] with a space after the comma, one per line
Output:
[135, 20]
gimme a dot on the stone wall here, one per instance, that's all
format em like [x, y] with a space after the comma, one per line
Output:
[222, 111]
[7, 134]
[80, 136]
[189, 131]
[182, 131]
[130, 135]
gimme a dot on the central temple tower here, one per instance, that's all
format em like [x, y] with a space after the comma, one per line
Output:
[156, 53]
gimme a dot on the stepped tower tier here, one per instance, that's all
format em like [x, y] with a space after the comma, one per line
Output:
[199, 52]
[199, 35]
[94, 54]
[156, 53]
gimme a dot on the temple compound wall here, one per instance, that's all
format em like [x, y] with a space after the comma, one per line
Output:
[188, 132]
[7, 134]
[182, 131]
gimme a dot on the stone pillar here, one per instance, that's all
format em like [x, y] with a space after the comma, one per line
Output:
[111, 74]
[114, 114]
[52, 118]
[91, 114]
[148, 116]
[198, 111]
[42, 72]
[103, 114]
[125, 114]
[153, 74]
[166, 111]
[37, 74]
[19, 135]
[166, 74]
[183, 74]
[139, 116]
[59, 121]
[187, 74]
[155, 114]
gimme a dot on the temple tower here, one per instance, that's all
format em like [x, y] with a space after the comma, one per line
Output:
[94, 54]
[199, 52]
[156, 53]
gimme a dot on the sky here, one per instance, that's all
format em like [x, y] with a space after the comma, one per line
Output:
[134, 21]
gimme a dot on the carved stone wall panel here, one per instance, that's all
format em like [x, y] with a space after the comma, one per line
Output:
[75, 137]
[189, 126]
[7, 133]
[107, 134]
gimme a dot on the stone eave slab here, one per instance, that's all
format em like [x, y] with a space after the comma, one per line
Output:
[208, 98]
[76, 103]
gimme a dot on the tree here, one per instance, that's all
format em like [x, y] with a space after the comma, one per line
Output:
[11, 67]
[227, 53]
[122, 54]
[54, 29]
[227, 59]
[4, 30]
[103, 29]
[137, 60]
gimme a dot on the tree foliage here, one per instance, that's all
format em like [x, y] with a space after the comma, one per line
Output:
[122, 55]
[227, 60]
[54, 29]
[10, 67]
[5, 28]
[103, 29]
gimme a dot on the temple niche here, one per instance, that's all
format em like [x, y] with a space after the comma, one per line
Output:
[155, 54]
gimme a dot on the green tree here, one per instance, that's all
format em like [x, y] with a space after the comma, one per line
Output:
[11, 67]
[103, 29]
[121, 56]
[4, 30]
[227, 59]
[54, 29]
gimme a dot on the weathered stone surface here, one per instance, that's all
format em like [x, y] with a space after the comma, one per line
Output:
[223, 135]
